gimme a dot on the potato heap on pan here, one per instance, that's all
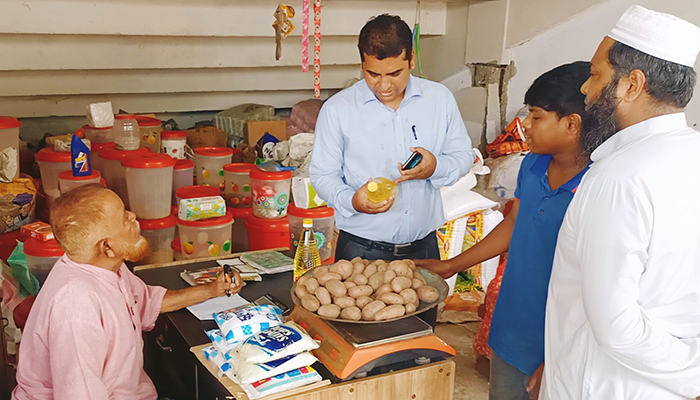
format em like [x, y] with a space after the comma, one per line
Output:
[362, 290]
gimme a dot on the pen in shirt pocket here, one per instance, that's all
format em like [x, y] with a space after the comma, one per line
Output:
[413, 128]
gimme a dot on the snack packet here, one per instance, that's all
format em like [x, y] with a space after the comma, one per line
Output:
[241, 323]
[275, 343]
[282, 382]
[249, 372]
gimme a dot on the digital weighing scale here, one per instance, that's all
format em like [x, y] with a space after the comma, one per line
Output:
[350, 350]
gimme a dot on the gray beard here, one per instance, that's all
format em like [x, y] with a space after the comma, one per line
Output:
[601, 122]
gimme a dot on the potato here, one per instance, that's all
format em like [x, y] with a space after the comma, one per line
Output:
[349, 284]
[310, 302]
[416, 283]
[329, 310]
[386, 288]
[300, 291]
[357, 268]
[410, 307]
[411, 264]
[362, 301]
[409, 296]
[311, 285]
[345, 301]
[366, 262]
[320, 271]
[302, 280]
[323, 296]
[376, 280]
[359, 291]
[380, 262]
[370, 270]
[389, 312]
[359, 279]
[356, 260]
[400, 268]
[381, 267]
[351, 313]
[336, 288]
[427, 293]
[370, 309]
[389, 276]
[342, 268]
[417, 275]
[400, 283]
[391, 298]
[327, 277]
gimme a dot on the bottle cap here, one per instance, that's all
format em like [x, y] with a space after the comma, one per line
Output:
[307, 222]
[372, 186]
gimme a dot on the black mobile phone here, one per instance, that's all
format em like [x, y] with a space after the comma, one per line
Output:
[412, 161]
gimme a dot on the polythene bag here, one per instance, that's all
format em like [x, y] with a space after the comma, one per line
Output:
[27, 282]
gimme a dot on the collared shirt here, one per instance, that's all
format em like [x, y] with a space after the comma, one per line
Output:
[517, 327]
[357, 137]
[623, 313]
[83, 336]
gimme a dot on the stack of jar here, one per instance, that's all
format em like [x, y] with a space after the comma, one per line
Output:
[203, 223]
[268, 226]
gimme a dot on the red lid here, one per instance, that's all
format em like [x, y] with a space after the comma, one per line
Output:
[192, 192]
[141, 120]
[94, 146]
[318, 212]
[173, 134]
[261, 175]
[9, 123]
[37, 248]
[174, 210]
[267, 224]
[239, 167]
[48, 155]
[175, 245]
[111, 153]
[203, 223]
[214, 151]
[92, 128]
[149, 160]
[68, 176]
[182, 163]
[155, 224]
[240, 213]
[79, 133]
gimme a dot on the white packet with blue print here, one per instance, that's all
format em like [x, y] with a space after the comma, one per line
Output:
[282, 382]
[220, 344]
[275, 343]
[249, 372]
[213, 355]
[241, 323]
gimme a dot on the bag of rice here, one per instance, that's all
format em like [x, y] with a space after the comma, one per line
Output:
[249, 372]
[219, 343]
[213, 355]
[279, 383]
[275, 343]
[239, 324]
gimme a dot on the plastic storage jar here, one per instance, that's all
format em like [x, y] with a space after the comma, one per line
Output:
[324, 223]
[205, 238]
[149, 183]
[113, 171]
[266, 234]
[173, 143]
[209, 165]
[270, 192]
[98, 135]
[95, 149]
[239, 232]
[51, 164]
[177, 249]
[41, 256]
[193, 192]
[149, 130]
[160, 234]
[182, 176]
[66, 180]
[237, 181]
[9, 137]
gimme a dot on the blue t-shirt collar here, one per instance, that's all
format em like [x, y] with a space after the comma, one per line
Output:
[540, 166]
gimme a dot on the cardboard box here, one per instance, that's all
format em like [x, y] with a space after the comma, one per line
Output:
[256, 129]
[38, 230]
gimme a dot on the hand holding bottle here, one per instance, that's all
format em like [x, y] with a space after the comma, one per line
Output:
[362, 203]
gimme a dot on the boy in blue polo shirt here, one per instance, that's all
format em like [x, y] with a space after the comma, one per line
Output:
[547, 181]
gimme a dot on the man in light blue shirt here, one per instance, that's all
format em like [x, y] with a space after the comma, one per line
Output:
[368, 130]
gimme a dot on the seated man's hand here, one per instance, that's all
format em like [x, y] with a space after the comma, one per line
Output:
[441, 268]
[218, 288]
[362, 204]
[424, 169]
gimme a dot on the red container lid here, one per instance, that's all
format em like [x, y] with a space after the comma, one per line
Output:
[155, 224]
[68, 176]
[111, 153]
[267, 224]
[9, 123]
[243, 168]
[318, 212]
[48, 155]
[209, 222]
[140, 120]
[214, 151]
[173, 134]
[176, 245]
[261, 175]
[194, 191]
[37, 248]
[240, 213]
[101, 146]
[174, 210]
[149, 160]
[95, 129]
[182, 163]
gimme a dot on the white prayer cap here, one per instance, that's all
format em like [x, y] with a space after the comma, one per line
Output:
[660, 35]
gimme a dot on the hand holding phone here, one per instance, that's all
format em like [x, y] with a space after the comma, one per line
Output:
[413, 160]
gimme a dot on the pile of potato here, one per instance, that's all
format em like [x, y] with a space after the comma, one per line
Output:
[362, 290]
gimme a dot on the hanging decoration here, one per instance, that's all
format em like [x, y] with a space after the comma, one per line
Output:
[283, 26]
[416, 41]
[317, 48]
[305, 36]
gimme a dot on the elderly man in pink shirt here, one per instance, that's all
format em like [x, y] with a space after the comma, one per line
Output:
[83, 336]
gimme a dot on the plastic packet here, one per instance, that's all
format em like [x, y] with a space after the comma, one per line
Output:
[217, 340]
[213, 355]
[275, 343]
[241, 323]
[250, 372]
[282, 382]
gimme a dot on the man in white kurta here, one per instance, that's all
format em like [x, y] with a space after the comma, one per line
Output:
[623, 310]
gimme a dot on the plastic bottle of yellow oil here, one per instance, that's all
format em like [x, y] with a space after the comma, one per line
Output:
[307, 256]
[380, 189]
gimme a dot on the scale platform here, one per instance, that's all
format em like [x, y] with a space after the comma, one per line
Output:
[351, 350]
